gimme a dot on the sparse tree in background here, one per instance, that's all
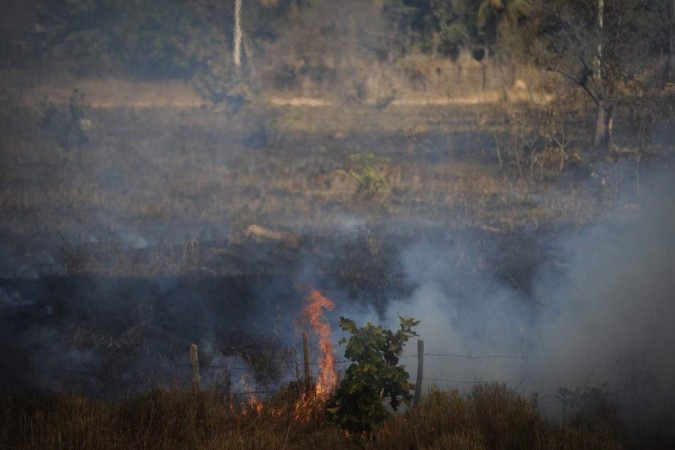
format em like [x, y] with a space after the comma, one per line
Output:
[317, 54]
[602, 47]
[407, 22]
[497, 18]
[669, 42]
[609, 50]
[455, 28]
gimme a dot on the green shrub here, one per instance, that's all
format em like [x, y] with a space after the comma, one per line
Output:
[369, 171]
[373, 377]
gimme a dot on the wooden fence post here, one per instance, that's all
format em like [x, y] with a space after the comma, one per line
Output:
[305, 356]
[420, 372]
[194, 360]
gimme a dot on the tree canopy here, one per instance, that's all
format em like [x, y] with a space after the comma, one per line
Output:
[172, 38]
[604, 48]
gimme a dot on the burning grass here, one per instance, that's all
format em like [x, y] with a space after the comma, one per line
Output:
[316, 301]
[490, 416]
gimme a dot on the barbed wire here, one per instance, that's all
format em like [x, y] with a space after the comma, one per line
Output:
[299, 365]
[466, 356]
[445, 380]
[346, 361]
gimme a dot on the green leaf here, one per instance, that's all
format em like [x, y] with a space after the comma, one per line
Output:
[374, 376]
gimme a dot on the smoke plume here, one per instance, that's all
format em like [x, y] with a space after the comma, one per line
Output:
[599, 315]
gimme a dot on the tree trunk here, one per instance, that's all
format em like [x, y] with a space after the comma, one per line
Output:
[604, 120]
[670, 59]
[599, 27]
[236, 51]
[604, 110]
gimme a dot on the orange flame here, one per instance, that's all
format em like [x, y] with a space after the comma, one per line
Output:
[327, 374]
[305, 408]
[253, 404]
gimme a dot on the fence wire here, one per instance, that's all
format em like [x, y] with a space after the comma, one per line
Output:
[297, 366]
[346, 361]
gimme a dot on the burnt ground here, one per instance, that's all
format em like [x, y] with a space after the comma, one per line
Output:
[112, 335]
[119, 253]
[115, 335]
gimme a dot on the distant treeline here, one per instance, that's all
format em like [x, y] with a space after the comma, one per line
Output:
[178, 38]
[611, 51]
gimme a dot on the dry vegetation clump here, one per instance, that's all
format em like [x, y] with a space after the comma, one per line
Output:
[489, 417]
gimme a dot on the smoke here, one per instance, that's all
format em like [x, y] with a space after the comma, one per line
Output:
[464, 312]
[596, 314]
[610, 321]
[599, 315]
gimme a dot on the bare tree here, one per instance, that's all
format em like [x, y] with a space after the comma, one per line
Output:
[600, 46]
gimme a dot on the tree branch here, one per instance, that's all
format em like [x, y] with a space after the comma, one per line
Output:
[576, 81]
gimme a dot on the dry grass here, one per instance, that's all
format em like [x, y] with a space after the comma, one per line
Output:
[177, 169]
[489, 417]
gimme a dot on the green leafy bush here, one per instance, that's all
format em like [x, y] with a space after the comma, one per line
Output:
[370, 173]
[374, 376]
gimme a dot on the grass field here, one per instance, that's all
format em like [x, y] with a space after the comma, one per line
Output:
[160, 171]
[489, 417]
[128, 196]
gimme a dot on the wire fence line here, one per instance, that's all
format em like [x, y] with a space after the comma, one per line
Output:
[346, 361]
[298, 365]
[467, 356]
[313, 363]
[445, 380]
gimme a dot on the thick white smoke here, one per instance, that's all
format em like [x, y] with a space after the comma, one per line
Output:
[604, 320]
[611, 320]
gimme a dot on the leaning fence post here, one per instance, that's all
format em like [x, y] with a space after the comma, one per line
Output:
[420, 372]
[194, 360]
[305, 356]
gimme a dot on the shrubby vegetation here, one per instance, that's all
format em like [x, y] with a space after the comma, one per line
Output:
[374, 377]
[488, 417]
[369, 173]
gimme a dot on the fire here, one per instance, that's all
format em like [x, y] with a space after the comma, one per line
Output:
[305, 408]
[308, 406]
[252, 404]
[327, 374]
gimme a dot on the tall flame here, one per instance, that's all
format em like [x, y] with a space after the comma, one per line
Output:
[327, 374]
